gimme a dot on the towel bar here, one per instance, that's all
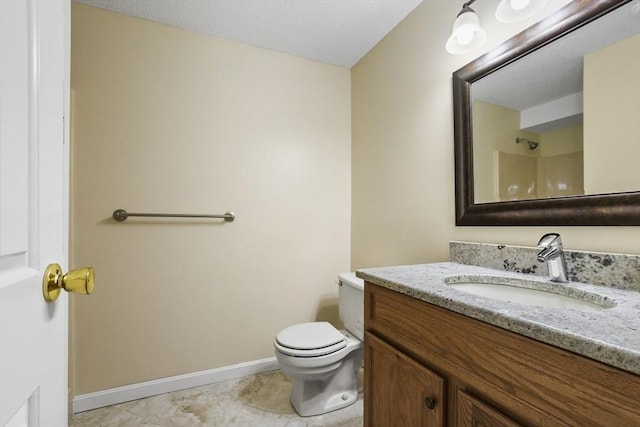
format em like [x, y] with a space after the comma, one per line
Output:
[121, 215]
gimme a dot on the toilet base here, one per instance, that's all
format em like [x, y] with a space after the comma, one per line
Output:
[316, 397]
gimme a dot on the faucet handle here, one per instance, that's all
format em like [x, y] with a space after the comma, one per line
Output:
[550, 251]
[548, 239]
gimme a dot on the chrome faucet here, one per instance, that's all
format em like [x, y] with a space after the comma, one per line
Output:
[550, 251]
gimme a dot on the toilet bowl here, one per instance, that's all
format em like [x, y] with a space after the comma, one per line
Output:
[321, 361]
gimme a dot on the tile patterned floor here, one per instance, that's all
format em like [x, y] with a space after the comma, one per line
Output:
[258, 400]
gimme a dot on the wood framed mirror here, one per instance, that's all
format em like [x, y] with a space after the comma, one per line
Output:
[602, 206]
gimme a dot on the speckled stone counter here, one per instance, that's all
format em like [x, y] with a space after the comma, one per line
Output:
[615, 270]
[610, 335]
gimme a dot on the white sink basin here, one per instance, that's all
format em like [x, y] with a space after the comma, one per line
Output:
[529, 292]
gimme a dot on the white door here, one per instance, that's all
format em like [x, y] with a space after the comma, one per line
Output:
[34, 58]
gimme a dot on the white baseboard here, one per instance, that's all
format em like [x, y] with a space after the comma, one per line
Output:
[98, 399]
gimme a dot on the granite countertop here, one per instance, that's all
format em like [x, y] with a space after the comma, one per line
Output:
[610, 335]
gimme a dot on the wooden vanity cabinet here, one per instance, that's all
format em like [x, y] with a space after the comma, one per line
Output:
[402, 392]
[470, 411]
[427, 366]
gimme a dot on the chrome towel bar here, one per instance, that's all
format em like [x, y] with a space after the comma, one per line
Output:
[121, 215]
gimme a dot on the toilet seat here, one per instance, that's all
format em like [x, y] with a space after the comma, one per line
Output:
[310, 339]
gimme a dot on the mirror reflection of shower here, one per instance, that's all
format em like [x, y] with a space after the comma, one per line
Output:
[532, 144]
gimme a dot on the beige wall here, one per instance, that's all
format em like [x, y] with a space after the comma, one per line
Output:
[611, 111]
[562, 141]
[402, 148]
[165, 120]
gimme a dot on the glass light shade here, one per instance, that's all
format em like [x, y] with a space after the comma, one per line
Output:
[518, 10]
[467, 34]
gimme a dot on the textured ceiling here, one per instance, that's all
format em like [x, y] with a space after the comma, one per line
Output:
[337, 32]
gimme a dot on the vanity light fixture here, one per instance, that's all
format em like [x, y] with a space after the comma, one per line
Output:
[467, 34]
[518, 10]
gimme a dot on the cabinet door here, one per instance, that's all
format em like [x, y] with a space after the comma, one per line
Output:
[398, 390]
[472, 412]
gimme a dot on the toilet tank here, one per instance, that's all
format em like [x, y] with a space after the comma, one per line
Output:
[351, 303]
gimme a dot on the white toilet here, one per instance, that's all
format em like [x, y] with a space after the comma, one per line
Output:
[321, 361]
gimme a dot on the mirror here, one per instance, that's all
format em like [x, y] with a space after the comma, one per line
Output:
[544, 103]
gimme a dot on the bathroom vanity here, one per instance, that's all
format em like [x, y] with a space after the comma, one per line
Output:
[437, 356]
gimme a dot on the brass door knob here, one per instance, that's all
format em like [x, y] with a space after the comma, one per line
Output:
[80, 281]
